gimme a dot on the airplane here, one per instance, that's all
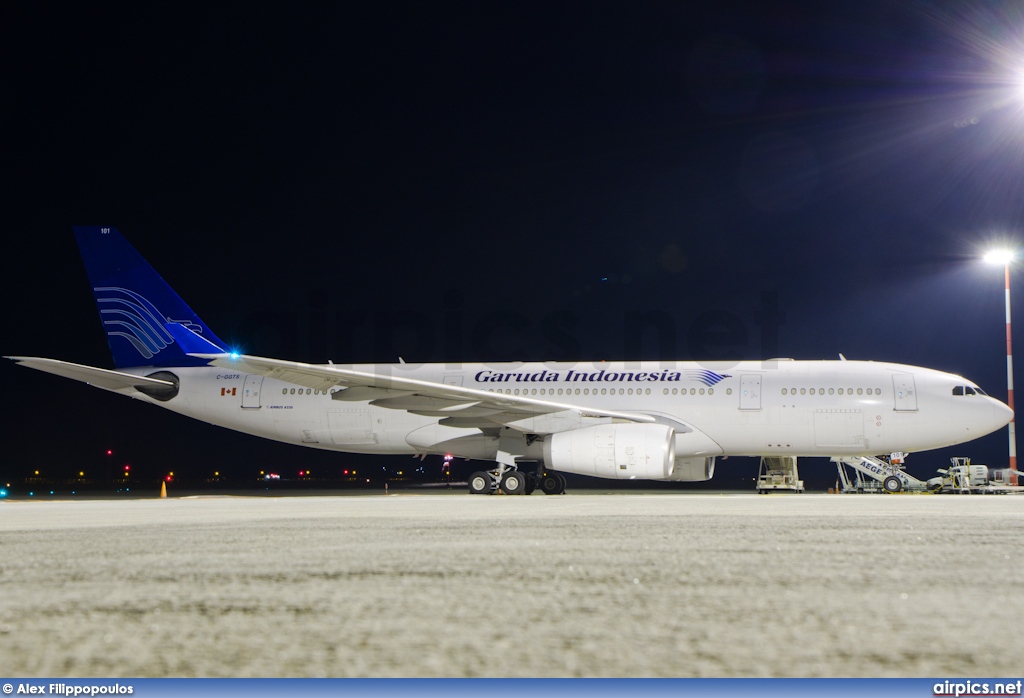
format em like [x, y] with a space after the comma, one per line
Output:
[531, 422]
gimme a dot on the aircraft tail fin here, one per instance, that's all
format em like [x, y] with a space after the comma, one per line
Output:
[136, 304]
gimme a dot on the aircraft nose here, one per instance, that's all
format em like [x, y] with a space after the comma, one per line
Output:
[1001, 414]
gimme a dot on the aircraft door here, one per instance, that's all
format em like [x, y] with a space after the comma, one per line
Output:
[750, 391]
[251, 392]
[904, 392]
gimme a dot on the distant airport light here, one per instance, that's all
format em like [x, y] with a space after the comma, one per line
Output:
[109, 452]
[1001, 257]
[234, 355]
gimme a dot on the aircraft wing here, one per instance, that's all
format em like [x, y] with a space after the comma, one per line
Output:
[99, 377]
[456, 405]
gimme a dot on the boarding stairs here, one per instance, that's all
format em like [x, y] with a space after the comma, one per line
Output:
[779, 474]
[871, 474]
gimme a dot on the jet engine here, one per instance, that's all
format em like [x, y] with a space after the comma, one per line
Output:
[693, 469]
[614, 451]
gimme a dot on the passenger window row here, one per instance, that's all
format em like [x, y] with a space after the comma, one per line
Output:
[695, 391]
[831, 391]
[569, 391]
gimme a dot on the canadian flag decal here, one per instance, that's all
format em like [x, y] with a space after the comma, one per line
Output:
[227, 391]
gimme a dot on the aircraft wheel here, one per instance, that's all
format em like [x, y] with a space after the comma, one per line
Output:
[892, 484]
[480, 483]
[550, 484]
[514, 482]
[531, 484]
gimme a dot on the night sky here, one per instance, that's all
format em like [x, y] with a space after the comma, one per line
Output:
[503, 181]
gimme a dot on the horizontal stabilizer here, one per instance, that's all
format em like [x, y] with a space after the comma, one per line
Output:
[99, 377]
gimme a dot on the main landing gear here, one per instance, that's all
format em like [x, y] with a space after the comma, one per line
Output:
[552, 483]
[514, 481]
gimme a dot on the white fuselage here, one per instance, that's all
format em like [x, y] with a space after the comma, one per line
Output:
[783, 407]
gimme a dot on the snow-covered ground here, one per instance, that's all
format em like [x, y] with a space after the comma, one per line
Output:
[454, 585]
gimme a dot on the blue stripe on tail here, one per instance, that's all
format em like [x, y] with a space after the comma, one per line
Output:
[136, 304]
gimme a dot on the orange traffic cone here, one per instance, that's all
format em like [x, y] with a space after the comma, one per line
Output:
[163, 490]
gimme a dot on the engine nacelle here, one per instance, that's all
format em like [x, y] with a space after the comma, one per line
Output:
[693, 469]
[614, 451]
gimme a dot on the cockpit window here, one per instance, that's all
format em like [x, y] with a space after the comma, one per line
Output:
[968, 390]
